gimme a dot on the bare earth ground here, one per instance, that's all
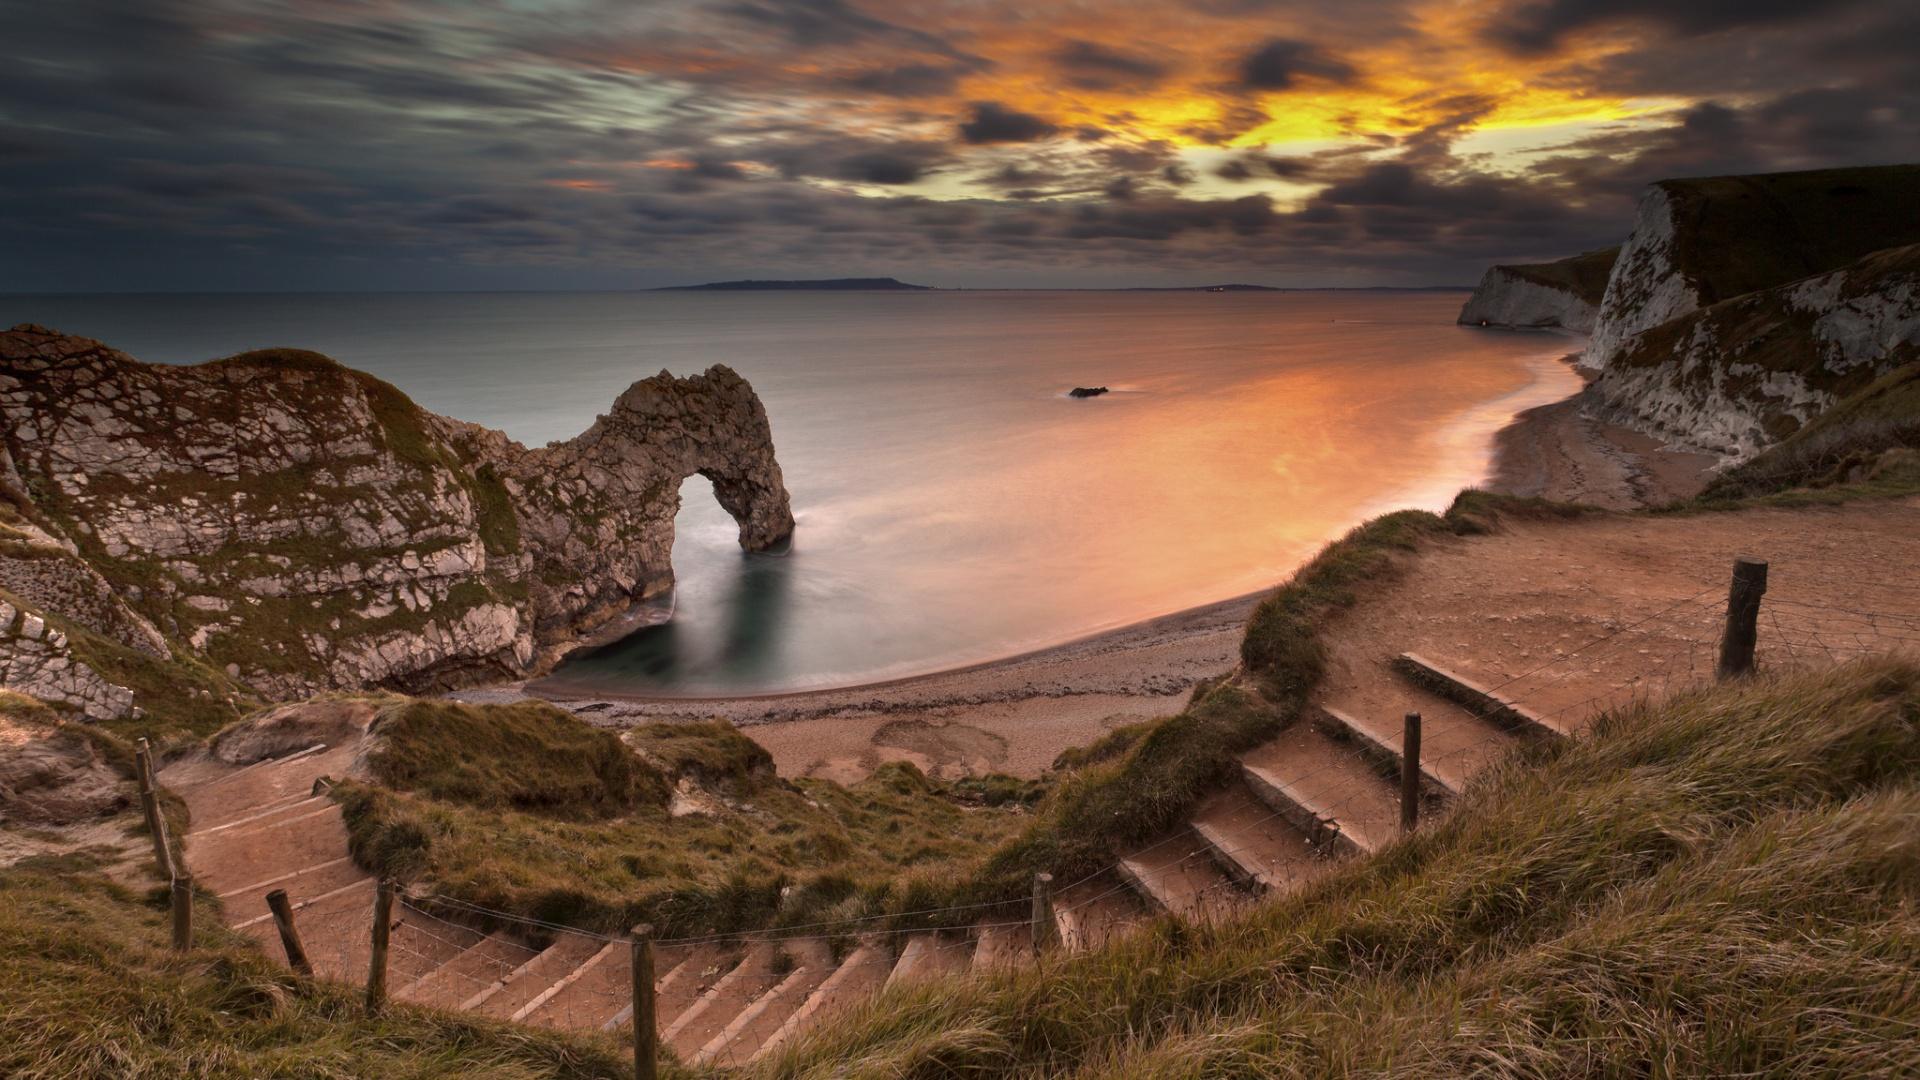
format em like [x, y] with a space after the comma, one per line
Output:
[1495, 608]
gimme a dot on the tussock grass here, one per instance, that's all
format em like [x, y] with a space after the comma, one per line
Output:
[528, 810]
[526, 756]
[1722, 883]
[92, 990]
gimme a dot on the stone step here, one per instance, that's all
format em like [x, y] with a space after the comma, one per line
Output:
[1093, 912]
[1325, 790]
[1480, 700]
[1002, 946]
[1253, 844]
[931, 955]
[859, 977]
[483, 964]
[741, 1039]
[755, 974]
[1177, 875]
[528, 981]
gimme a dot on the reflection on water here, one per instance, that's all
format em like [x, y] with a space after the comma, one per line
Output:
[751, 619]
[953, 505]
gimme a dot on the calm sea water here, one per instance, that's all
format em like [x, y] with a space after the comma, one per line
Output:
[953, 505]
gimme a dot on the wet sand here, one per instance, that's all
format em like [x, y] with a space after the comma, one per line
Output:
[1015, 715]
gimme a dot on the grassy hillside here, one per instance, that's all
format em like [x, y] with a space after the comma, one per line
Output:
[92, 990]
[1744, 233]
[527, 809]
[1724, 883]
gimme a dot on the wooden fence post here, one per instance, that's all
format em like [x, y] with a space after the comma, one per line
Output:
[1410, 774]
[646, 1033]
[289, 935]
[1743, 618]
[182, 912]
[377, 959]
[1043, 925]
[150, 808]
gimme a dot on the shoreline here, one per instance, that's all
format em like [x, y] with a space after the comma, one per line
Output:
[1016, 713]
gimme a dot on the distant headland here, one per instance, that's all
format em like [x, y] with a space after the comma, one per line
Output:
[867, 284]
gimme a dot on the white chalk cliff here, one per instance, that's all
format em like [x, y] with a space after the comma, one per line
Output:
[1563, 295]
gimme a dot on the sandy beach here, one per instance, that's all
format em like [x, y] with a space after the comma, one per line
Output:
[1015, 715]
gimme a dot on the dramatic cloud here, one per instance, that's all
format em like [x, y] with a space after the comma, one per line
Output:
[1280, 63]
[993, 122]
[562, 143]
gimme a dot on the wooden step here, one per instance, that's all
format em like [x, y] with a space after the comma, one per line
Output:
[1325, 790]
[1177, 875]
[224, 861]
[1253, 844]
[1002, 946]
[858, 978]
[1093, 912]
[533, 978]
[1480, 700]
[742, 1038]
[250, 899]
[682, 973]
[754, 975]
[336, 927]
[417, 944]
[931, 955]
[1441, 773]
[483, 964]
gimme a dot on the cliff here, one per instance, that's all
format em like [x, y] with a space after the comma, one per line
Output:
[1739, 375]
[300, 526]
[1698, 242]
[1564, 295]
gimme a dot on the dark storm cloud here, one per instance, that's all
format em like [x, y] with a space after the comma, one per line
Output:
[1542, 24]
[992, 122]
[1281, 62]
[1091, 65]
[227, 143]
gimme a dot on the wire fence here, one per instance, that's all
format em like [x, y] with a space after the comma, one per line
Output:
[724, 997]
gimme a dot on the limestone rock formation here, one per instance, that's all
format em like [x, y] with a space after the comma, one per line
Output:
[1562, 295]
[304, 526]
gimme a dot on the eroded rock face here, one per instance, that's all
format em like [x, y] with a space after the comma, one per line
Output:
[53, 777]
[1698, 242]
[37, 659]
[307, 527]
[1742, 374]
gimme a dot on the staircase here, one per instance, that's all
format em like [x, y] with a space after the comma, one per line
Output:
[1321, 790]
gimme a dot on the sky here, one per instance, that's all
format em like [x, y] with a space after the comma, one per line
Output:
[614, 144]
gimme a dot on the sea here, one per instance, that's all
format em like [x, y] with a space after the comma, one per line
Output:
[955, 505]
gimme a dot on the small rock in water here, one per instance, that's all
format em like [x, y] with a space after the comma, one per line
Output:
[1086, 391]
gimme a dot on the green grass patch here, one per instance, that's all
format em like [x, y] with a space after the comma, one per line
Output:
[1725, 883]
